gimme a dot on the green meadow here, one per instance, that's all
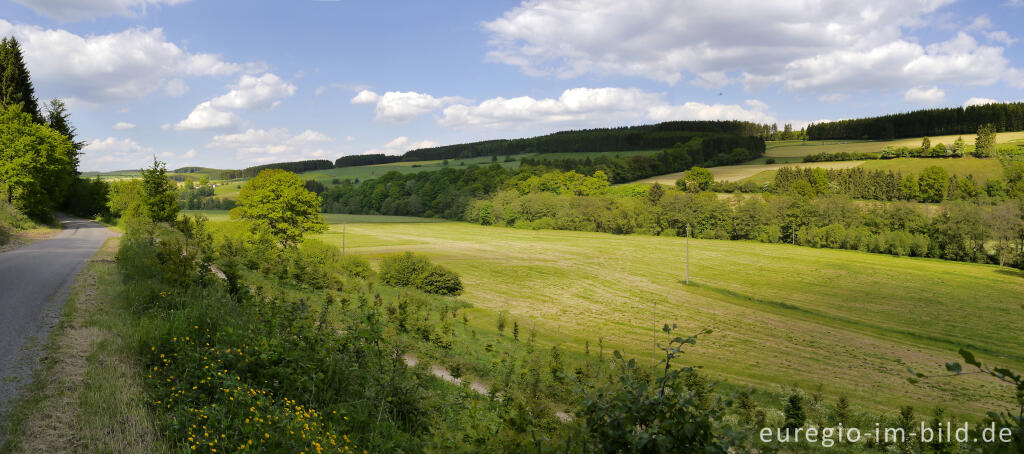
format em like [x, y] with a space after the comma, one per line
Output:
[781, 315]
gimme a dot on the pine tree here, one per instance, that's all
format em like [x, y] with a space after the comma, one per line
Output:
[160, 193]
[58, 119]
[15, 83]
[794, 411]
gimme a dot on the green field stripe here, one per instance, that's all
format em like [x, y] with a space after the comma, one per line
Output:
[879, 332]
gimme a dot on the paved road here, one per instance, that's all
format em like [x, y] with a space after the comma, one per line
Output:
[34, 283]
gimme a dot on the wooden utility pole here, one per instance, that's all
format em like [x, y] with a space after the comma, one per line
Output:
[687, 254]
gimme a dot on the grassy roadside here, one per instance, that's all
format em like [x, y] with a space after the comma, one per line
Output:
[87, 396]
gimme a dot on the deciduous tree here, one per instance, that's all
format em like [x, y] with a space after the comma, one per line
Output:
[278, 202]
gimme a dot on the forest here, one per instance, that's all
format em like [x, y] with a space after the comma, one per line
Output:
[294, 166]
[365, 160]
[919, 123]
[718, 136]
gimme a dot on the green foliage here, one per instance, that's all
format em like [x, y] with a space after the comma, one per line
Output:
[277, 201]
[15, 83]
[636, 414]
[126, 199]
[655, 193]
[955, 120]
[697, 179]
[35, 168]
[721, 137]
[356, 266]
[561, 183]
[444, 193]
[933, 184]
[316, 264]
[985, 143]
[59, 119]
[159, 194]
[411, 270]
[926, 145]
[87, 198]
[794, 412]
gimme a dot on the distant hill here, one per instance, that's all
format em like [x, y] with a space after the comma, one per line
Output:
[724, 134]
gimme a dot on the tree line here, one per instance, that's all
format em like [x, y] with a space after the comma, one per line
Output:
[928, 122]
[293, 166]
[447, 192]
[39, 150]
[680, 157]
[728, 134]
[365, 160]
[960, 231]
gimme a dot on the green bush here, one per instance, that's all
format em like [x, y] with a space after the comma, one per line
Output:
[316, 264]
[411, 270]
[441, 281]
[355, 266]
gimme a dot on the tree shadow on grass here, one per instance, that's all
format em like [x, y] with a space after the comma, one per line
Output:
[1011, 272]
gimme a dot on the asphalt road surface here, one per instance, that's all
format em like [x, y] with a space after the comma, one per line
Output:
[35, 280]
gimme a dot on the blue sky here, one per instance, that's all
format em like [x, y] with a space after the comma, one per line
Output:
[230, 84]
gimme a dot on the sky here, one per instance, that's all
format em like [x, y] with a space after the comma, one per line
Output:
[234, 83]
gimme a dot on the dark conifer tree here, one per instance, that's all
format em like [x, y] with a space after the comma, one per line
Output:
[59, 119]
[15, 84]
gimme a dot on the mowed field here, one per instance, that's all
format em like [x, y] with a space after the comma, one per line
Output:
[791, 153]
[782, 315]
[797, 148]
[743, 171]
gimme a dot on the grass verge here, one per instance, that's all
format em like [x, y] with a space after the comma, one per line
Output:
[87, 396]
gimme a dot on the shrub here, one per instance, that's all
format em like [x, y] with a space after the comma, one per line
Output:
[440, 281]
[403, 270]
[317, 263]
[355, 266]
[410, 270]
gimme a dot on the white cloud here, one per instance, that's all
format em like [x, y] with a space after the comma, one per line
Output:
[898, 64]
[205, 116]
[1001, 36]
[321, 89]
[250, 93]
[189, 154]
[979, 102]
[399, 145]
[399, 106]
[113, 152]
[74, 10]
[275, 144]
[349, 138]
[575, 104]
[833, 97]
[594, 107]
[827, 47]
[255, 93]
[700, 111]
[124, 125]
[1014, 77]
[365, 97]
[115, 67]
[925, 95]
[175, 88]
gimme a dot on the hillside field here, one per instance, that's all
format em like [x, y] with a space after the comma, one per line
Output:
[797, 148]
[782, 315]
